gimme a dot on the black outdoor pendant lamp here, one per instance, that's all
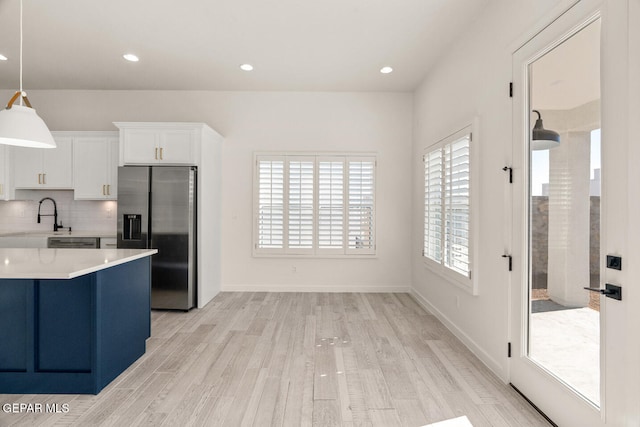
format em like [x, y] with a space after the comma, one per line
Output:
[541, 138]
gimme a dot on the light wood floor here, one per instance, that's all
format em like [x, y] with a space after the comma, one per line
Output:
[295, 359]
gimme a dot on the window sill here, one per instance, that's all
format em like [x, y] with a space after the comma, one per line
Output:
[452, 277]
[315, 256]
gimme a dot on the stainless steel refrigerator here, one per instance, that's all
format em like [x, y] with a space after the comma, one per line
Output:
[157, 209]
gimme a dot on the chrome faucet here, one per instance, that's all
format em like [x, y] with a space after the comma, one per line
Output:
[56, 226]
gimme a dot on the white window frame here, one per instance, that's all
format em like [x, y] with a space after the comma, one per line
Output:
[316, 252]
[468, 283]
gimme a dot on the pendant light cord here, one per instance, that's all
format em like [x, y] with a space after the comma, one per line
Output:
[21, 91]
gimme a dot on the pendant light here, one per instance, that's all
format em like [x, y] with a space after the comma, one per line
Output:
[543, 139]
[19, 124]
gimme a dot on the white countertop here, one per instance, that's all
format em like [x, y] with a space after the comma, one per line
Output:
[32, 263]
[62, 233]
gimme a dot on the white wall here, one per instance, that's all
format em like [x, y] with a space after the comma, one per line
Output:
[471, 81]
[263, 121]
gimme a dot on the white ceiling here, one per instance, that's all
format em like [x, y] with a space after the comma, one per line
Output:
[569, 75]
[328, 45]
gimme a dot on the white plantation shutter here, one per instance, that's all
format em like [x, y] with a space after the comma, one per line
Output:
[360, 189]
[447, 203]
[270, 215]
[300, 206]
[433, 205]
[456, 202]
[331, 204]
[314, 205]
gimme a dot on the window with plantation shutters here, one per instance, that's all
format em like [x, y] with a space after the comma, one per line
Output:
[300, 206]
[331, 204]
[456, 205]
[314, 205]
[433, 205]
[361, 205]
[270, 215]
[447, 203]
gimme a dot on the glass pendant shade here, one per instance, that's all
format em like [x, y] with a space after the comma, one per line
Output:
[21, 126]
[541, 138]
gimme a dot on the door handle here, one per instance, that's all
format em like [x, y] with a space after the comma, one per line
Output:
[44, 178]
[510, 261]
[108, 189]
[160, 153]
[103, 192]
[156, 153]
[610, 291]
[39, 178]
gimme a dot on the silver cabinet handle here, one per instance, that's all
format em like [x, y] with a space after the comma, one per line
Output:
[44, 178]
[108, 189]
[39, 178]
[160, 153]
[156, 153]
[103, 190]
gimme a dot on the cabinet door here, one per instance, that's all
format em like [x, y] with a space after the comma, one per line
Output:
[27, 167]
[177, 147]
[4, 174]
[141, 146]
[112, 169]
[57, 165]
[91, 158]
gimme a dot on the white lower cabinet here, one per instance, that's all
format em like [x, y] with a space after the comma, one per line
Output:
[108, 243]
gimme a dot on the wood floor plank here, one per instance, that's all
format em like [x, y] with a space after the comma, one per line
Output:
[344, 399]
[326, 413]
[254, 399]
[384, 418]
[267, 405]
[357, 399]
[325, 381]
[295, 359]
[410, 412]
[375, 389]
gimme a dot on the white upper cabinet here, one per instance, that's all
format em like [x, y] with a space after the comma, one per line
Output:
[159, 143]
[95, 166]
[38, 168]
[5, 177]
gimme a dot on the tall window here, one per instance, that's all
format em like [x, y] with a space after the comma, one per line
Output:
[315, 205]
[447, 202]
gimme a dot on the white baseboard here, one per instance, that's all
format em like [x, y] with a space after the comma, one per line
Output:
[484, 357]
[315, 288]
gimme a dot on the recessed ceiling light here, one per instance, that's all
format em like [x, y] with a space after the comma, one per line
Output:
[246, 67]
[131, 57]
[386, 70]
[2, 57]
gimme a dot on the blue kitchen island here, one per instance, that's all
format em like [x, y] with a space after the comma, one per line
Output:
[71, 320]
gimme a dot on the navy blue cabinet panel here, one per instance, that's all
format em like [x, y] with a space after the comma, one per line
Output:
[73, 336]
[13, 324]
[64, 325]
[123, 299]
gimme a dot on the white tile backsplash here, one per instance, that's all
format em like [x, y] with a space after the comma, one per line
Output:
[81, 215]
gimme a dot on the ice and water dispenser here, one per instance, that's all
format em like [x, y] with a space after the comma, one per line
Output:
[132, 227]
